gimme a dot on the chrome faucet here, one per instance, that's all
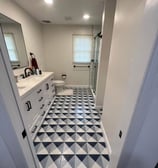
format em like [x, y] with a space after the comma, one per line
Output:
[27, 74]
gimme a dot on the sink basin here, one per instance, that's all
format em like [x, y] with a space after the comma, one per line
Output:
[21, 87]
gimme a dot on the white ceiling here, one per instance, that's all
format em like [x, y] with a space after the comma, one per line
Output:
[64, 8]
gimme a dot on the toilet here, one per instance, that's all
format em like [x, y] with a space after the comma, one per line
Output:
[59, 85]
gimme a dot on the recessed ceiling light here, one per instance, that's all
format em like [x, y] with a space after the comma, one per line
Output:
[48, 1]
[86, 16]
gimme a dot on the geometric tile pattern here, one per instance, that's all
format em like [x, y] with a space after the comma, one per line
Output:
[70, 135]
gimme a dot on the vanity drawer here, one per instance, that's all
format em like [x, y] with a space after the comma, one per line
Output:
[31, 108]
[47, 103]
[51, 81]
[52, 87]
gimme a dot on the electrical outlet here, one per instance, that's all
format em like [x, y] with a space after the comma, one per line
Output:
[120, 134]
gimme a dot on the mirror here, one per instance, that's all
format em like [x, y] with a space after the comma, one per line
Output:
[14, 40]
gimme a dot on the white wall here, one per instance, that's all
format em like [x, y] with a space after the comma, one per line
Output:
[107, 29]
[141, 145]
[134, 34]
[57, 40]
[31, 28]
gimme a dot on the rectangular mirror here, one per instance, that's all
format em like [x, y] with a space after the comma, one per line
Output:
[14, 40]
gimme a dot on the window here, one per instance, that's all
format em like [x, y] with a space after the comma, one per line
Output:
[11, 47]
[82, 49]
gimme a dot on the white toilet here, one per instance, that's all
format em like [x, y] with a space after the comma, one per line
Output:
[59, 85]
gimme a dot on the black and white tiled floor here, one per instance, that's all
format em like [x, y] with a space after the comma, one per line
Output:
[71, 134]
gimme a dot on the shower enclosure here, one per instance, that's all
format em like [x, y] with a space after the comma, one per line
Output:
[94, 61]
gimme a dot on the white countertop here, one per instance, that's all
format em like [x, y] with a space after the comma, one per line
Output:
[27, 84]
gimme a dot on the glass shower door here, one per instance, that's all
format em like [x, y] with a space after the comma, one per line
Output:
[94, 63]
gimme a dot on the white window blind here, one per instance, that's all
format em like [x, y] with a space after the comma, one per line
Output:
[11, 47]
[82, 49]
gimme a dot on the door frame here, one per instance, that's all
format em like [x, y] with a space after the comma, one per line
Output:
[14, 113]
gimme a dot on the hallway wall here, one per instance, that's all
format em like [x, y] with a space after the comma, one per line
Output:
[57, 40]
[135, 30]
[141, 144]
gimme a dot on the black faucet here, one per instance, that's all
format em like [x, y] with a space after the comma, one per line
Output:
[27, 74]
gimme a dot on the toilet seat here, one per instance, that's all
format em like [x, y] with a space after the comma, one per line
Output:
[59, 83]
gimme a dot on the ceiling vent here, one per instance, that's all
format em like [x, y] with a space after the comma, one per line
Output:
[68, 18]
[46, 21]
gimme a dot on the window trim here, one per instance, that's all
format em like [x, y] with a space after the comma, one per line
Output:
[81, 63]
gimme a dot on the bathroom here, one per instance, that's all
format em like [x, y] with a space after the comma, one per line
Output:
[105, 101]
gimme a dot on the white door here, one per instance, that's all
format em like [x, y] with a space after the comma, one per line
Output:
[6, 159]
[15, 147]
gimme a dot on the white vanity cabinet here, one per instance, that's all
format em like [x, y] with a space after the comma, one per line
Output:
[37, 100]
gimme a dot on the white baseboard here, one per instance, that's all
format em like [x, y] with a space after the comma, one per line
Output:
[106, 139]
[80, 86]
[99, 107]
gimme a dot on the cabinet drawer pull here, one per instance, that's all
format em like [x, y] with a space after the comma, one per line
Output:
[42, 106]
[34, 129]
[47, 86]
[49, 103]
[39, 91]
[29, 106]
[43, 113]
[40, 99]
